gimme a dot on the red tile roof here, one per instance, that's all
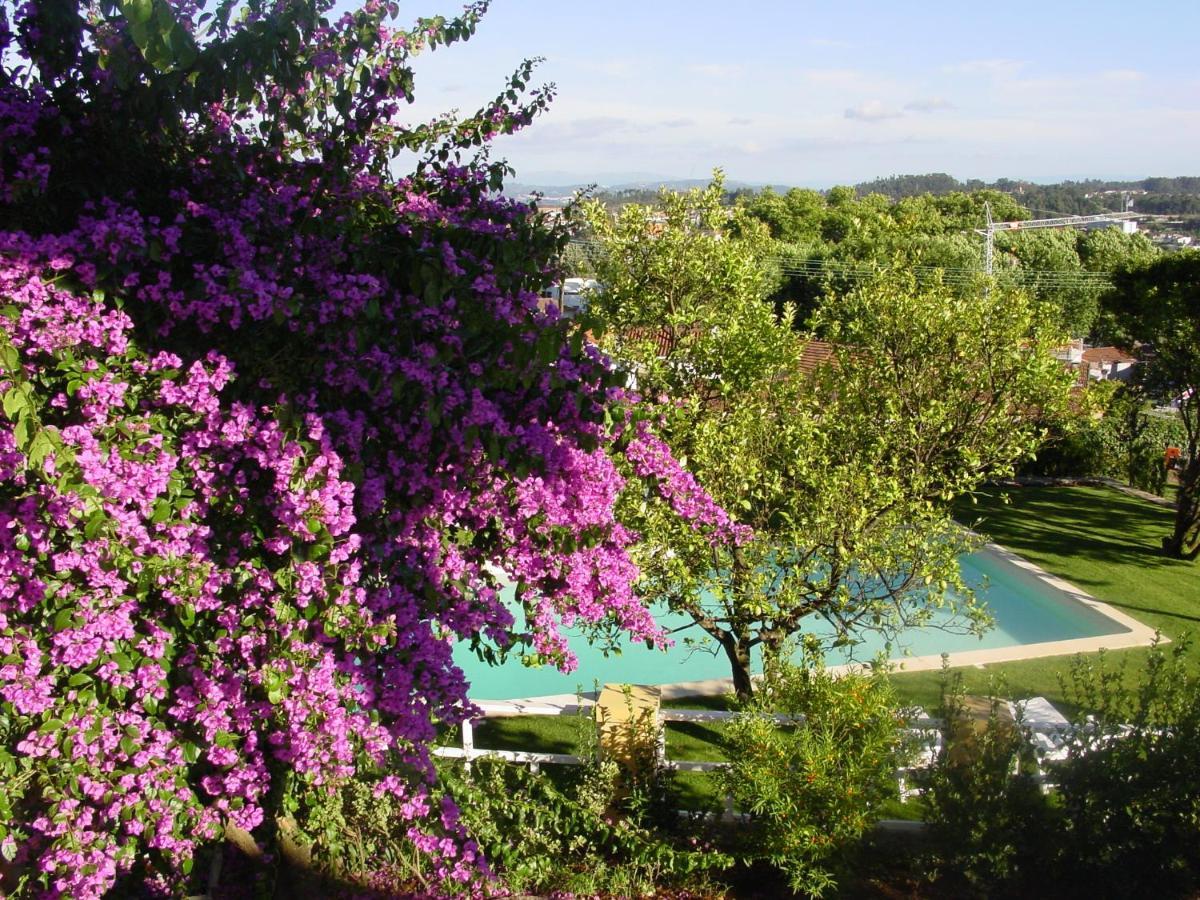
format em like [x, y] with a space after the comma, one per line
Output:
[814, 354]
[666, 340]
[1107, 355]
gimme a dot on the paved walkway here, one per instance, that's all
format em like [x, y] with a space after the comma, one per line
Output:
[1087, 480]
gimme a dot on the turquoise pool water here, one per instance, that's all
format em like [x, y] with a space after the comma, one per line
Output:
[1026, 610]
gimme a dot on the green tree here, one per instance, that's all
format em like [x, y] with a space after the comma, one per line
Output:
[1158, 305]
[662, 268]
[1134, 436]
[841, 470]
[1054, 252]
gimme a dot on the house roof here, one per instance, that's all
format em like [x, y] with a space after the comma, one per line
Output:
[1107, 355]
[814, 354]
[666, 340]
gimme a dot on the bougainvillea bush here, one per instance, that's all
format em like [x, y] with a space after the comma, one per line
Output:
[277, 426]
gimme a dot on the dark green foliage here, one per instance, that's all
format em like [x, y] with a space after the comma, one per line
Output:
[898, 186]
[988, 827]
[1130, 790]
[544, 834]
[1158, 305]
[1117, 434]
[1124, 818]
[591, 829]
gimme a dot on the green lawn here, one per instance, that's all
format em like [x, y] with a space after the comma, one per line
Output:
[1102, 541]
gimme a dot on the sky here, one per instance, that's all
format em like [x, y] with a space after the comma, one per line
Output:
[818, 94]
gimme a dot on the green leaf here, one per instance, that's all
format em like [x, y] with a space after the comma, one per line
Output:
[21, 432]
[138, 12]
[162, 511]
[15, 402]
[9, 357]
[95, 522]
[40, 447]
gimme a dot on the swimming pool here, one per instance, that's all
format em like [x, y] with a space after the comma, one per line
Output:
[1036, 615]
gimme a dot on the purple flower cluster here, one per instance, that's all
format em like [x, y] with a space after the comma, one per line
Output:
[652, 459]
[25, 167]
[274, 437]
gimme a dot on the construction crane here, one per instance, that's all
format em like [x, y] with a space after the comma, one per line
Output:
[989, 233]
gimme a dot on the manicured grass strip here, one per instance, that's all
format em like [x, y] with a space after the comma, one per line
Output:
[541, 734]
[698, 791]
[562, 734]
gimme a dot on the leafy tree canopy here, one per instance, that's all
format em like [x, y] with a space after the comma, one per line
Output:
[1157, 305]
[836, 459]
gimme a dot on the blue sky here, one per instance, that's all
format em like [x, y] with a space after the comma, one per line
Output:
[819, 94]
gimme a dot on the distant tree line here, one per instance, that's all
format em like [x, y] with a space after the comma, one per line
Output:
[826, 241]
[1165, 196]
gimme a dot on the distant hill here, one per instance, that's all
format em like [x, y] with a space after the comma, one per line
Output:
[1174, 196]
[1159, 195]
[521, 190]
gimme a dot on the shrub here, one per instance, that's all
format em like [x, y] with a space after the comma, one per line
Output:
[812, 787]
[1130, 788]
[273, 420]
[584, 829]
[988, 822]
[1115, 434]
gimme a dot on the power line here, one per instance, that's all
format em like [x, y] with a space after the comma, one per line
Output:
[1060, 221]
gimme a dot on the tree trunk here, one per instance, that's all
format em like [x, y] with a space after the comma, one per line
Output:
[1184, 542]
[738, 650]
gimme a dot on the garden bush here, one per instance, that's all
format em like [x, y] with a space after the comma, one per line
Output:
[1123, 817]
[989, 825]
[1130, 789]
[277, 426]
[1114, 434]
[812, 788]
[601, 827]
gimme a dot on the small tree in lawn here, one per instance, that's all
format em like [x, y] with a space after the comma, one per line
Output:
[1158, 305]
[814, 786]
[840, 476]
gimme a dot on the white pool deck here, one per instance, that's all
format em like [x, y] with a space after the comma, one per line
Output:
[1131, 633]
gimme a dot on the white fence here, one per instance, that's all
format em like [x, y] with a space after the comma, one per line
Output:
[1046, 728]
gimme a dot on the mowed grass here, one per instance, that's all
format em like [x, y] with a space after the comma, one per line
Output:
[1102, 541]
[566, 734]
[569, 734]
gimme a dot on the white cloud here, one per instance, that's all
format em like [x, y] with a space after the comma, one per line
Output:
[872, 111]
[929, 104]
[996, 68]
